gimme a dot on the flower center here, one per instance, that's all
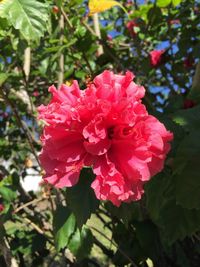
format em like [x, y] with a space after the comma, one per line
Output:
[110, 132]
[120, 132]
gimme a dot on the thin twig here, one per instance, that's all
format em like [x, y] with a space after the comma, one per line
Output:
[36, 227]
[104, 44]
[66, 18]
[32, 202]
[89, 28]
[52, 203]
[20, 124]
[71, 29]
[88, 63]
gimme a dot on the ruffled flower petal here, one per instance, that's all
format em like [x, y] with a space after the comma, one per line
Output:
[107, 128]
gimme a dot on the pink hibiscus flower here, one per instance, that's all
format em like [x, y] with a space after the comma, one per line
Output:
[108, 128]
[156, 57]
[131, 25]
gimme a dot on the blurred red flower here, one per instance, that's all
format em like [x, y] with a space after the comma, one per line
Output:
[156, 57]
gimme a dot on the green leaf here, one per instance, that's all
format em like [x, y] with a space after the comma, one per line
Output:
[176, 2]
[63, 225]
[142, 12]
[187, 171]
[80, 74]
[188, 118]
[154, 196]
[7, 193]
[12, 227]
[3, 78]
[148, 237]
[188, 149]
[30, 17]
[81, 243]
[163, 3]
[59, 3]
[128, 243]
[3, 23]
[154, 15]
[175, 221]
[81, 198]
[126, 212]
[178, 222]
[80, 31]
[182, 259]
[188, 184]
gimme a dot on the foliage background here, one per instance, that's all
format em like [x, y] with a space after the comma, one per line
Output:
[50, 42]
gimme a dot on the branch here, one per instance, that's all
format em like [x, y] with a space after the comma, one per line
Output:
[34, 201]
[5, 249]
[61, 59]
[27, 62]
[24, 97]
[97, 31]
[66, 18]
[36, 227]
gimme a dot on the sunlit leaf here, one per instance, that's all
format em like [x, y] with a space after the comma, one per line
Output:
[188, 118]
[30, 17]
[163, 3]
[81, 242]
[7, 193]
[3, 77]
[63, 225]
[97, 6]
[176, 2]
[167, 213]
